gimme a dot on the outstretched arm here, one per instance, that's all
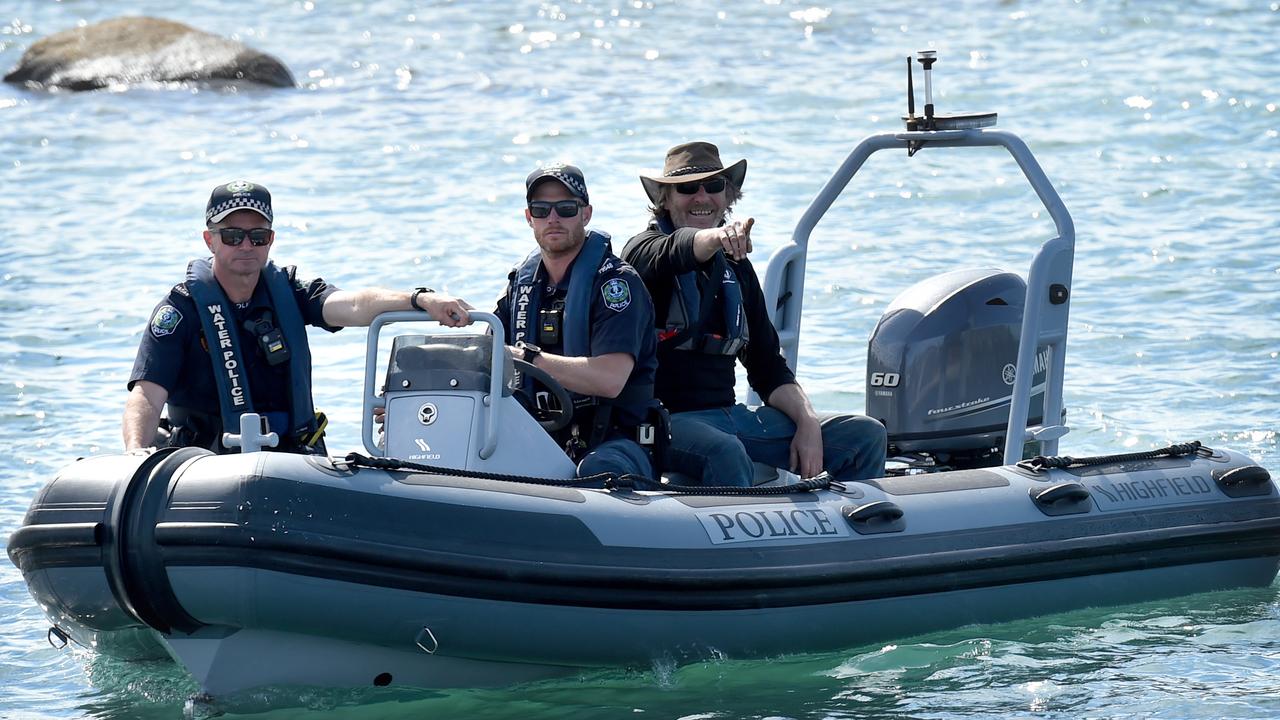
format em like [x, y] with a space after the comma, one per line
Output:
[732, 237]
[358, 308]
[600, 376]
[142, 414]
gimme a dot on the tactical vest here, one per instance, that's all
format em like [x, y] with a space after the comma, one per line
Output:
[217, 319]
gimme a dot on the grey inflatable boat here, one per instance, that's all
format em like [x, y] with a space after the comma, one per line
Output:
[461, 552]
[270, 568]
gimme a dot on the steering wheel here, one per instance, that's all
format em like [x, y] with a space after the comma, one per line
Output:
[551, 420]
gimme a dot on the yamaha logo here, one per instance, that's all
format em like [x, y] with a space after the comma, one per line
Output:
[1009, 374]
[427, 414]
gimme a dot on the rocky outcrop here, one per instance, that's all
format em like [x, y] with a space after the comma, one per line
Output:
[142, 49]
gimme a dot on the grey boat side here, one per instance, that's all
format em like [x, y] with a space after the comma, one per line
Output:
[532, 580]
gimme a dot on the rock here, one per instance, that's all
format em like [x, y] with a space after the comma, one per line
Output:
[142, 49]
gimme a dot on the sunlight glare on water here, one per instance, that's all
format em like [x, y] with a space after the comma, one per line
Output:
[400, 158]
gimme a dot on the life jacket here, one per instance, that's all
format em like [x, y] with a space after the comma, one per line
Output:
[525, 296]
[217, 318]
[525, 304]
[690, 308]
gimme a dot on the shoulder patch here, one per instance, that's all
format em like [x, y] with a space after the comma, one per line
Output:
[617, 294]
[165, 320]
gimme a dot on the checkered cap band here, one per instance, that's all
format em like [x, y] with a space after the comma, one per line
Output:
[568, 175]
[574, 184]
[226, 207]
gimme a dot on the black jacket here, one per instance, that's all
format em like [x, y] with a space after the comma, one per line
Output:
[697, 381]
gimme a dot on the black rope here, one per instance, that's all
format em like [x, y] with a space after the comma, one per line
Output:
[638, 482]
[359, 460]
[1041, 462]
[605, 481]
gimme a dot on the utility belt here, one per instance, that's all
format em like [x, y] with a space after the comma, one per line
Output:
[594, 424]
[186, 427]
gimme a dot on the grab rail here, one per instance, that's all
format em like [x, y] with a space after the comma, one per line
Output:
[1044, 318]
[373, 400]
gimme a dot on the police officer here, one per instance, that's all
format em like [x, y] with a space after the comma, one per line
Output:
[577, 312]
[231, 339]
[711, 313]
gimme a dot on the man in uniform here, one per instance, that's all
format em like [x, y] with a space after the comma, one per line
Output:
[231, 340]
[577, 312]
[711, 313]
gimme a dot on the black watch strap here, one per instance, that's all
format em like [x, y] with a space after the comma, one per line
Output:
[528, 351]
[413, 299]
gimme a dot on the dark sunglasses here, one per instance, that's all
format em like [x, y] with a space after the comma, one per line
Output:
[711, 185]
[564, 208]
[257, 236]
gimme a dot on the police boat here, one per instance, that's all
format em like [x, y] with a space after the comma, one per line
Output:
[461, 552]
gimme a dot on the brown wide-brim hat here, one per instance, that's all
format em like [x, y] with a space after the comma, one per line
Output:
[692, 162]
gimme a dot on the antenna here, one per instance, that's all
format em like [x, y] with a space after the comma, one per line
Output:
[932, 122]
[911, 99]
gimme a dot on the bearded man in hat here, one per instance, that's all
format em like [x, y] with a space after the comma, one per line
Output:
[231, 338]
[575, 311]
[711, 313]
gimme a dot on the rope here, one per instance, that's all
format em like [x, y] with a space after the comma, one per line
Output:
[605, 481]
[1041, 462]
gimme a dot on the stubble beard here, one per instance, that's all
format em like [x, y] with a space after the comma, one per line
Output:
[561, 245]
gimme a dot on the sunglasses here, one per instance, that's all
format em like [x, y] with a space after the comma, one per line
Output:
[257, 236]
[711, 185]
[564, 208]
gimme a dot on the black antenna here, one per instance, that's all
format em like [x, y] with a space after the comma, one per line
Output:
[911, 98]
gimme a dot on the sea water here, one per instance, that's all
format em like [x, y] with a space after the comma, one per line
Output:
[400, 158]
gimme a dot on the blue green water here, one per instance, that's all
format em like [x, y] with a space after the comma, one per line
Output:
[400, 162]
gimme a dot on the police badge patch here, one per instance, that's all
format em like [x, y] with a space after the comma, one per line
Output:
[165, 321]
[617, 294]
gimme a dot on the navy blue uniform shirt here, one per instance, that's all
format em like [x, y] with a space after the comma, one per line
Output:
[174, 356]
[617, 325]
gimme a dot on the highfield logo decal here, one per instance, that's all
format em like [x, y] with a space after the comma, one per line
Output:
[426, 452]
[781, 522]
[1150, 490]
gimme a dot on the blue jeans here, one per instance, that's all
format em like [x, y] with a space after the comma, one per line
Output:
[720, 445]
[621, 456]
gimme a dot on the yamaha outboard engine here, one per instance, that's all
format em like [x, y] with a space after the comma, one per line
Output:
[941, 364]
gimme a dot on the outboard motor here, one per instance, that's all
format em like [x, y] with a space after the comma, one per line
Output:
[941, 365]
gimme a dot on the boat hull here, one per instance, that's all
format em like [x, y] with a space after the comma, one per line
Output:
[280, 569]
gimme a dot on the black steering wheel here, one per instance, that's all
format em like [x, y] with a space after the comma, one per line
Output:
[550, 419]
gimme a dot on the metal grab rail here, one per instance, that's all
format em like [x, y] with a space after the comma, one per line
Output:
[1044, 318]
[373, 400]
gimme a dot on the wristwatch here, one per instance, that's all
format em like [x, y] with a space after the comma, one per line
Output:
[413, 299]
[528, 351]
